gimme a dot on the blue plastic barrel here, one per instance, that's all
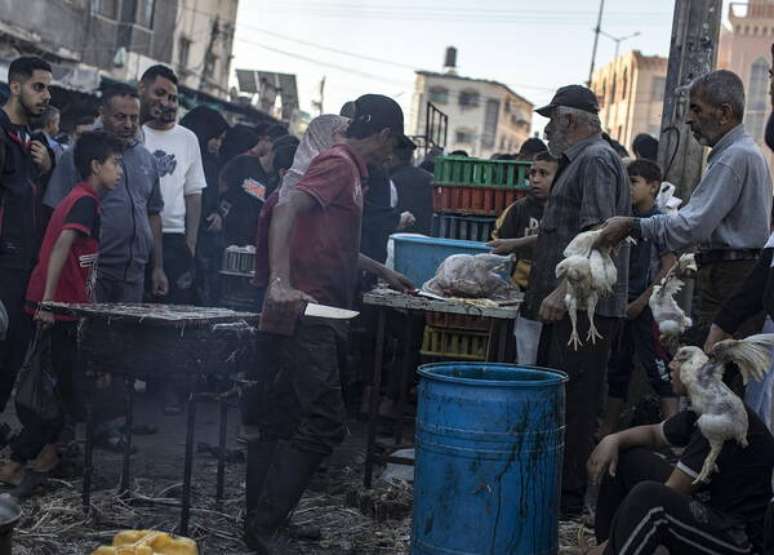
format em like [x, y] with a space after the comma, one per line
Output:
[489, 448]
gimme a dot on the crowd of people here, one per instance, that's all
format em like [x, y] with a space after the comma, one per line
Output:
[141, 206]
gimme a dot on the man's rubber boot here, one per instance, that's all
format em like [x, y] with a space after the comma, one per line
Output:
[260, 454]
[285, 482]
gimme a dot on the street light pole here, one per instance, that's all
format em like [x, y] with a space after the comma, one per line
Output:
[597, 31]
[619, 40]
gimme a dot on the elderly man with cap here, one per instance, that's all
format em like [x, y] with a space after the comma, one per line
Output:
[314, 246]
[590, 186]
[727, 216]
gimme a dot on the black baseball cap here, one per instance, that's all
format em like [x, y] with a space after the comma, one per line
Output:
[572, 96]
[382, 112]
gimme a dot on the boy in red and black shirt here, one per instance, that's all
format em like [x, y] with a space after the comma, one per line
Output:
[65, 272]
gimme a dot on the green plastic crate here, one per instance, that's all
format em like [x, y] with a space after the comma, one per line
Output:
[460, 170]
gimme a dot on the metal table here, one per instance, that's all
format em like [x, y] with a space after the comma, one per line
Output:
[386, 299]
[135, 341]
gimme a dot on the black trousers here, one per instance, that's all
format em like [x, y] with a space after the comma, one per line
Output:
[37, 432]
[13, 288]
[638, 337]
[300, 398]
[715, 283]
[179, 267]
[637, 512]
[586, 368]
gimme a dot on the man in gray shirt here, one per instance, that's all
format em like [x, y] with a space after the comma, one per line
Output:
[727, 216]
[590, 187]
[131, 221]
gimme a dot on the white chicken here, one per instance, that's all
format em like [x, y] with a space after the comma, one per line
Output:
[589, 275]
[671, 319]
[722, 415]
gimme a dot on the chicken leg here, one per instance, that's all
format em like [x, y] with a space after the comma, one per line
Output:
[709, 465]
[572, 311]
[591, 307]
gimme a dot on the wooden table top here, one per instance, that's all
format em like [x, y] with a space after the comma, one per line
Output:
[394, 299]
[154, 314]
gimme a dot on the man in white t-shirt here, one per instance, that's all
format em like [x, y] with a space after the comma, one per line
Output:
[177, 152]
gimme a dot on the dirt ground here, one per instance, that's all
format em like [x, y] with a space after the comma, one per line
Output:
[352, 521]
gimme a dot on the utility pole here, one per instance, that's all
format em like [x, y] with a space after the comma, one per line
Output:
[597, 31]
[693, 51]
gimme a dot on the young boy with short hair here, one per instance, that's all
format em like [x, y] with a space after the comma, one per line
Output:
[65, 272]
[515, 228]
[639, 336]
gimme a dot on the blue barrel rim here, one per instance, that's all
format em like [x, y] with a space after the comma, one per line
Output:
[440, 241]
[557, 377]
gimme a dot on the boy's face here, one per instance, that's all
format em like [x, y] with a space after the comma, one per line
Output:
[109, 172]
[541, 176]
[642, 190]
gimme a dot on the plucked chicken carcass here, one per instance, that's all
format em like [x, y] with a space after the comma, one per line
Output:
[590, 274]
[722, 415]
[671, 319]
[472, 276]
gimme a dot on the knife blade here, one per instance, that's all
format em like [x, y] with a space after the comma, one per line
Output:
[331, 312]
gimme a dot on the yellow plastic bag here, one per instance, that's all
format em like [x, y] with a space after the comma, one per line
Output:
[148, 542]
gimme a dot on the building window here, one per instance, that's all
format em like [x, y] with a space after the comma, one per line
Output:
[144, 13]
[105, 8]
[624, 85]
[439, 95]
[757, 98]
[463, 136]
[210, 63]
[491, 117]
[184, 52]
[469, 99]
[507, 106]
[657, 93]
[613, 99]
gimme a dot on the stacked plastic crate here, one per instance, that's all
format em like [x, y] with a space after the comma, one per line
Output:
[468, 196]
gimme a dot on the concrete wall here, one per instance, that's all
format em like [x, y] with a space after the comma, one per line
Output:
[630, 92]
[93, 39]
[196, 23]
[746, 40]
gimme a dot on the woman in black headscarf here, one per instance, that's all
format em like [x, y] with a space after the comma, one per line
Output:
[210, 128]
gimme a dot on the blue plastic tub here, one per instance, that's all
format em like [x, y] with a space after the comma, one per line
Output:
[489, 449]
[418, 258]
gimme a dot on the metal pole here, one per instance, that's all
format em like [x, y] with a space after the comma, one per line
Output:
[596, 40]
[693, 51]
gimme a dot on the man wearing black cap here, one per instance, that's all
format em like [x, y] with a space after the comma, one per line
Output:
[314, 243]
[590, 186]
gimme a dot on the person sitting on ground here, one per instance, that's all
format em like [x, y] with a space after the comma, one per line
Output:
[644, 502]
[515, 232]
[647, 266]
[65, 272]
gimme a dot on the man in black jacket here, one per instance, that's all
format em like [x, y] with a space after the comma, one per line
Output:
[26, 163]
[415, 189]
